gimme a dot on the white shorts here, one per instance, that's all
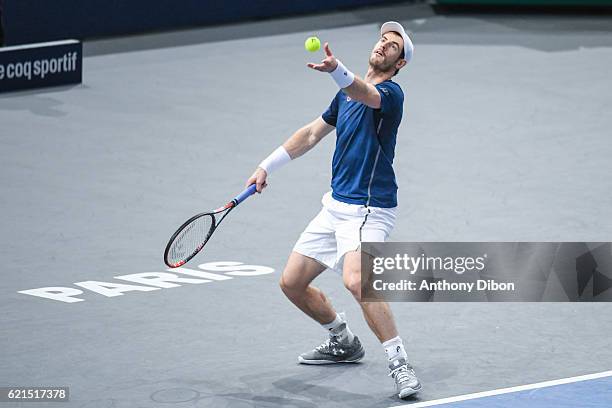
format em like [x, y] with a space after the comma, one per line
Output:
[340, 228]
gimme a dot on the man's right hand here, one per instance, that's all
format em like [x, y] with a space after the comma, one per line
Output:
[259, 177]
[328, 64]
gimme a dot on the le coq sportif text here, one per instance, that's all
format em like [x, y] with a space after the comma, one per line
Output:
[39, 68]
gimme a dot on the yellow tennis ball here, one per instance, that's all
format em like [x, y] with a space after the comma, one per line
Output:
[312, 44]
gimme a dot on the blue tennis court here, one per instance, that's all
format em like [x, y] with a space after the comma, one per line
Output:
[589, 391]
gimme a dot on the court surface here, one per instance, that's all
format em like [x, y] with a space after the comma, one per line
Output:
[593, 390]
[506, 137]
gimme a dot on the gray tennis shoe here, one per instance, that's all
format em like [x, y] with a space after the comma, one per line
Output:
[333, 351]
[406, 381]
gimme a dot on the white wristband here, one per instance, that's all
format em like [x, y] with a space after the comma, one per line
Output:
[277, 159]
[342, 75]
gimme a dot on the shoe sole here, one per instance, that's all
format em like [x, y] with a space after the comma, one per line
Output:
[323, 362]
[409, 392]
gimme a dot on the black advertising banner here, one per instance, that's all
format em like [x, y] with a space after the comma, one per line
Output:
[41, 65]
[486, 271]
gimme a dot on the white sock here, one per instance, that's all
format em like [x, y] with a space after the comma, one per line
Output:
[395, 349]
[339, 328]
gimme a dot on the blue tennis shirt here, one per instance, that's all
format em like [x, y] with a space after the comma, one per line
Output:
[362, 167]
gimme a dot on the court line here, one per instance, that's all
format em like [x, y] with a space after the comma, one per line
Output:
[509, 390]
[38, 45]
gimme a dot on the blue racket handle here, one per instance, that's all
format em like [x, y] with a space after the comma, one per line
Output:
[245, 194]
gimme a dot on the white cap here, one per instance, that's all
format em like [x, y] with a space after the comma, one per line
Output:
[397, 27]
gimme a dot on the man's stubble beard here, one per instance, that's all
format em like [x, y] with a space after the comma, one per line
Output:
[381, 68]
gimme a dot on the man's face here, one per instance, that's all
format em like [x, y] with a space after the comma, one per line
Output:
[387, 51]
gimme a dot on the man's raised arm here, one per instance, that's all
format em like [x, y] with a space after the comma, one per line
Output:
[355, 87]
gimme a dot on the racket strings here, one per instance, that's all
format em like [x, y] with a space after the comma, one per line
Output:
[190, 240]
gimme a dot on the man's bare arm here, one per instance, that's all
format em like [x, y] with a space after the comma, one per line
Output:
[299, 143]
[363, 92]
[307, 137]
[358, 90]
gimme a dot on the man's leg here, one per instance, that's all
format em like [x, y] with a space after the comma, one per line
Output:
[380, 319]
[377, 314]
[295, 281]
[342, 345]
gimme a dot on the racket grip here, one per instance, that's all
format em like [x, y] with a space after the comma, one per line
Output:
[245, 194]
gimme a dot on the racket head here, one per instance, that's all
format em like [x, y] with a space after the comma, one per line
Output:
[189, 239]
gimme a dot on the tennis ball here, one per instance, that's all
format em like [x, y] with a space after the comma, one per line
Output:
[312, 44]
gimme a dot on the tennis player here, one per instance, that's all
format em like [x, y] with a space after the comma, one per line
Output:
[366, 114]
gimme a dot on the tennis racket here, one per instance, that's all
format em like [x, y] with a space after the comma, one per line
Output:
[191, 237]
